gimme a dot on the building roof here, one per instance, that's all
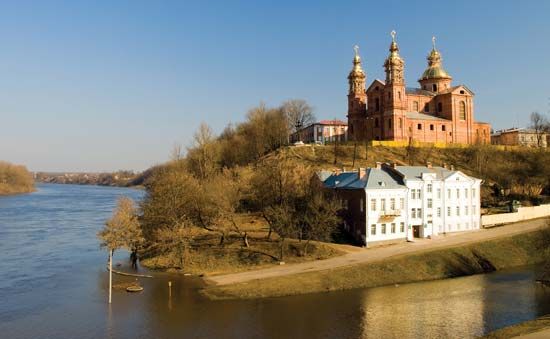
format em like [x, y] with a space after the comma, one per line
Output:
[418, 91]
[386, 177]
[422, 116]
[515, 130]
[330, 122]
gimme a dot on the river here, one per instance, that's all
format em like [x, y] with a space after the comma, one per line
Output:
[53, 284]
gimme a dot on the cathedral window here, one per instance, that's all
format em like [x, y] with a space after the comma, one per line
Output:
[419, 126]
[462, 110]
[443, 128]
[427, 107]
[377, 104]
[399, 95]
[415, 106]
[434, 88]
[431, 127]
[376, 122]
[439, 107]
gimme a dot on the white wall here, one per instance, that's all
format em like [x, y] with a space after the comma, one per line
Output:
[523, 213]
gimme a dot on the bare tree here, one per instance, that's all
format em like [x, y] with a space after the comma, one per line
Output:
[299, 114]
[540, 124]
[204, 157]
[122, 230]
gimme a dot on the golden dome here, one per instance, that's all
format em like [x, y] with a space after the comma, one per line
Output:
[435, 70]
[357, 70]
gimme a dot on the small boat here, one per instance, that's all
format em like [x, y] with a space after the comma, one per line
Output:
[134, 288]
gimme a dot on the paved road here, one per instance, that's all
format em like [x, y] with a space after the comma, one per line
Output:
[375, 254]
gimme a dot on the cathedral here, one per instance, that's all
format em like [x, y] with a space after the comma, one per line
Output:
[435, 112]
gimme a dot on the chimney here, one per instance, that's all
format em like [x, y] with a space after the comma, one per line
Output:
[361, 172]
[394, 165]
[378, 165]
[428, 164]
[445, 165]
[337, 171]
[452, 167]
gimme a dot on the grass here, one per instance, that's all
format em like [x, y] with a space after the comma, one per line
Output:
[521, 329]
[208, 257]
[428, 265]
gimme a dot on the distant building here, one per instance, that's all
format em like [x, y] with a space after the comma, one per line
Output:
[519, 137]
[395, 203]
[435, 112]
[322, 131]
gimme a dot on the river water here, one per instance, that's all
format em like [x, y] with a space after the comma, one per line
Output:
[53, 284]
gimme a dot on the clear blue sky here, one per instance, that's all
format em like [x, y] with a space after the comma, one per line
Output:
[107, 85]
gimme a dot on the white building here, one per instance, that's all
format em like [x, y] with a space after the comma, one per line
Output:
[322, 132]
[390, 203]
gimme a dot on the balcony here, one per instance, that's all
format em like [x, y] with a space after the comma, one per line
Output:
[390, 213]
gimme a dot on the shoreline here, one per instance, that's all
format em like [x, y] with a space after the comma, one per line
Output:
[455, 261]
[538, 328]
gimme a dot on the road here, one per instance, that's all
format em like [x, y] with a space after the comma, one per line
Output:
[367, 255]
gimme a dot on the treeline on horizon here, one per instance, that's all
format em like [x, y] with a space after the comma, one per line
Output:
[15, 179]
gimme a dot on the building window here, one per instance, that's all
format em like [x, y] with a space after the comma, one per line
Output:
[466, 193]
[419, 126]
[430, 204]
[439, 107]
[426, 107]
[473, 193]
[462, 110]
[473, 209]
[399, 95]
[361, 205]
[373, 204]
[458, 226]
[434, 88]
[377, 104]
[448, 211]
[458, 193]
[389, 95]
[383, 229]
[419, 212]
[439, 193]
[402, 227]
[393, 227]
[431, 127]
[443, 128]
[413, 194]
[415, 106]
[402, 203]
[389, 123]
[430, 187]
[439, 212]
[419, 193]
[382, 204]
[392, 204]
[465, 210]
[413, 212]
[400, 123]
[457, 211]
[376, 122]
[373, 229]
[449, 193]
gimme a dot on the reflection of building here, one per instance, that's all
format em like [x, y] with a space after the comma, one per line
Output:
[390, 203]
[519, 137]
[435, 112]
[323, 131]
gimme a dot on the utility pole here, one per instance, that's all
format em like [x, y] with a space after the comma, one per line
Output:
[110, 274]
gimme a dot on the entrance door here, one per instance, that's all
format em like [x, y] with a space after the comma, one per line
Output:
[416, 231]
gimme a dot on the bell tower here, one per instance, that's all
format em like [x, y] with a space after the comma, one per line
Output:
[357, 98]
[395, 98]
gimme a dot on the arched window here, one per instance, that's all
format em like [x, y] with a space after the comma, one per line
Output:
[434, 88]
[462, 110]
[376, 122]
[377, 104]
[415, 106]
[439, 107]
[399, 95]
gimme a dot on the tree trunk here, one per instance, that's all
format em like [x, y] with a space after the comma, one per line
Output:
[306, 247]
[282, 247]
[110, 275]
[222, 239]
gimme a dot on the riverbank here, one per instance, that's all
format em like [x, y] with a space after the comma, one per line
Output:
[538, 328]
[454, 261]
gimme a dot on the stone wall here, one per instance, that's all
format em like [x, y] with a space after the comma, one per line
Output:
[523, 213]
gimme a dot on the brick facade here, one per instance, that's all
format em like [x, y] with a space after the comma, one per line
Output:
[436, 112]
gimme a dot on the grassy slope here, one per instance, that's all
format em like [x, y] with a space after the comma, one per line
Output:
[429, 265]
[521, 329]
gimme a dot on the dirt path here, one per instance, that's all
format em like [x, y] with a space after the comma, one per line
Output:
[374, 254]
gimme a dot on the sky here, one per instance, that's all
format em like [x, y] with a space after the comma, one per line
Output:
[108, 85]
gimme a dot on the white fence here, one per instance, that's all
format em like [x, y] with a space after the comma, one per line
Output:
[523, 213]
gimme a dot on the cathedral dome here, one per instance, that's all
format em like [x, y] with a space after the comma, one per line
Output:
[435, 69]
